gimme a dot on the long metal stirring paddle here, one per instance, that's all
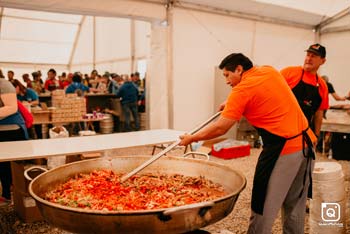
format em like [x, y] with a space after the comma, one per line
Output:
[167, 149]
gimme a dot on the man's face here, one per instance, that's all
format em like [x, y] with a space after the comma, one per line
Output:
[233, 78]
[51, 75]
[312, 62]
[10, 75]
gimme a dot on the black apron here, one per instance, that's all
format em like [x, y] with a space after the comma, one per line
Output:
[272, 148]
[309, 99]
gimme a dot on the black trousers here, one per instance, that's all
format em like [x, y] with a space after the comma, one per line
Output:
[5, 167]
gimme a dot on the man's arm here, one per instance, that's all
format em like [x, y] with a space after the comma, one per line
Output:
[337, 97]
[318, 121]
[214, 129]
[10, 104]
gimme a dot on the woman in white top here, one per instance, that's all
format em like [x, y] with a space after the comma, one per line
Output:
[12, 128]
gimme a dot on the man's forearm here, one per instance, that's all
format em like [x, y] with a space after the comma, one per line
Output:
[318, 121]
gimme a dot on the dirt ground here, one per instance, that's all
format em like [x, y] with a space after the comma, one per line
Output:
[236, 222]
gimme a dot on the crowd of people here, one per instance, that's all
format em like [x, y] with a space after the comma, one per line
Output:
[130, 89]
[95, 82]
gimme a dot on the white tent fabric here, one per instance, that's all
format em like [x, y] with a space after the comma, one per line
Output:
[182, 42]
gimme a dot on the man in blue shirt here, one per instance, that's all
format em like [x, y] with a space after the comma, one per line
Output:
[128, 93]
[76, 86]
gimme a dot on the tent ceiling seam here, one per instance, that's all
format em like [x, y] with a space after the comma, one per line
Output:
[2, 63]
[237, 14]
[40, 20]
[125, 59]
[37, 41]
[334, 18]
[337, 29]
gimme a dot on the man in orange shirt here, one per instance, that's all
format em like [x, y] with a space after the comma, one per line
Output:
[283, 170]
[308, 87]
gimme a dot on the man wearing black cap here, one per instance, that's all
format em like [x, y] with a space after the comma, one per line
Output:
[308, 87]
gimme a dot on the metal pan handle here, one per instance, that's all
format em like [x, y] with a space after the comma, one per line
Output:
[201, 206]
[33, 168]
[193, 153]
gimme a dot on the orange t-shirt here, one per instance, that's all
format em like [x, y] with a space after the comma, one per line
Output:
[293, 76]
[267, 102]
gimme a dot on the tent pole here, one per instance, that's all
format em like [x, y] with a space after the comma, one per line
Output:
[1, 15]
[170, 72]
[132, 45]
[77, 36]
[94, 43]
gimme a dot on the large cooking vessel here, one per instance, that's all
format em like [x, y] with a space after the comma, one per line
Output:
[171, 220]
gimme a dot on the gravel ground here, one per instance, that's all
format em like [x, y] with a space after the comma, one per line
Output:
[236, 222]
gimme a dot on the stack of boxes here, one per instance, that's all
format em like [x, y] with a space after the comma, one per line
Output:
[69, 107]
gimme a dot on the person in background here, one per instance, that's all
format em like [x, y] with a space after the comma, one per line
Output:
[67, 80]
[103, 83]
[37, 83]
[51, 83]
[2, 75]
[137, 80]
[321, 140]
[25, 94]
[281, 178]
[93, 81]
[128, 93]
[28, 95]
[114, 82]
[86, 79]
[331, 90]
[62, 80]
[121, 79]
[308, 87]
[27, 80]
[12, 128]
[10, 75]
[77, 87]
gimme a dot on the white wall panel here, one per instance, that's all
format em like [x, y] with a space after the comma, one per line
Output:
[142, 38]
[112, 38]
[337, 64]
[34, 52]
[201, 41]
[84, 50]
[280, 46]
[18, 29]
[121, 67]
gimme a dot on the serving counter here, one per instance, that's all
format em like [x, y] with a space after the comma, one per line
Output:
[34, 149]
[338, 120]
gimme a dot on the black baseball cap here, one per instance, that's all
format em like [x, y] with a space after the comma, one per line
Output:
[317, 49]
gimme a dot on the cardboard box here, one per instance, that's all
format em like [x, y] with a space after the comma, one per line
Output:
[25, 207]
[41, 116]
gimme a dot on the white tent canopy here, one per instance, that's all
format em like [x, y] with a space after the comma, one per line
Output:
[182, 41]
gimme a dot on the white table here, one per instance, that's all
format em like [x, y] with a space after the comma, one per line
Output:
[337, 121]
[33, 149]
